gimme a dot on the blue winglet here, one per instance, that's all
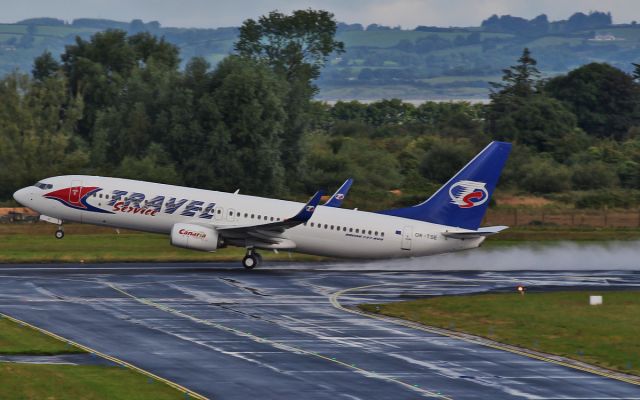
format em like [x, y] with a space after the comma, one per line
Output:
[307, 211]
[463, 201]
[340, 194]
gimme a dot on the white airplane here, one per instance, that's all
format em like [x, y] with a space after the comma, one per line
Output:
[207, 220]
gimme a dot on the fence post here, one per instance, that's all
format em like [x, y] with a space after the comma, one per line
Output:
[573, 218]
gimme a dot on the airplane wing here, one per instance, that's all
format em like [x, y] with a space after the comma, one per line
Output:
[340, 194]
[466, 234]
[268, 235]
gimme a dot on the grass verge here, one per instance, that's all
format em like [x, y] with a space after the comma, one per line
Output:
[54, 381]
[34, 243]
[19, 339]
[87, 382]
[561, 323]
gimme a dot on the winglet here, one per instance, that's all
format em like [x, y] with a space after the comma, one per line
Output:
[340, 194]
[307, 211]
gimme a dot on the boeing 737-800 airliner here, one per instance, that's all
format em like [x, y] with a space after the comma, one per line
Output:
[207, 220]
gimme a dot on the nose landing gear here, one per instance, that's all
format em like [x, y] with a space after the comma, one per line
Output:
[251, 260]
[59, 233]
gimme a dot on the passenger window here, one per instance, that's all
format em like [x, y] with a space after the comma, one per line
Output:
[357, 230]
[344, 228]
[100, 195]
[253, 216]
[331, 227]
[350, 229]
[376, 233]
[246, 215]
[259, 216]
[271, 219]
[238, 214]
[219, 211]
[326, 226]
[369, 232]
[312, 224]
[382, 234]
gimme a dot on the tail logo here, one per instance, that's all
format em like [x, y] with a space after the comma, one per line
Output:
[339, 196]
[468, 194]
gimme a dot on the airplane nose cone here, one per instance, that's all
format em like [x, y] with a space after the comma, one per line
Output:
[22, 196]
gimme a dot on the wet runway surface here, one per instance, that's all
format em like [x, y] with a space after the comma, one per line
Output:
[273, 333]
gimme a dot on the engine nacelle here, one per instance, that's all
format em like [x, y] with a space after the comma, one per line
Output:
[195, 237]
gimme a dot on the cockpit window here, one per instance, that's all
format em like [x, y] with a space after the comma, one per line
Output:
[43, 186]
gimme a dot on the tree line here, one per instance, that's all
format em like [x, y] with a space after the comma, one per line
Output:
[119, 104]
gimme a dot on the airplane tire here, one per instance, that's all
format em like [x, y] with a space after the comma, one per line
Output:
[250, 261]
[59, 234]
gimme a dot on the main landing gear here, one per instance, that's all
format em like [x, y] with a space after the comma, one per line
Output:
[59, 233]
[251, 260]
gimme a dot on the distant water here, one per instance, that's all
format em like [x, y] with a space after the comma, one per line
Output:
[416, 102]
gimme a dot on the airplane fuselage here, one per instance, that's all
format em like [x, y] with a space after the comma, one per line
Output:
[153, 207]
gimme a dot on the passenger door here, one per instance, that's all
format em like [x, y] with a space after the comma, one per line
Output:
[407, 234]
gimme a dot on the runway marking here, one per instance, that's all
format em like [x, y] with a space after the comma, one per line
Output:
[113, 359]
[279, 345]
[335, 301]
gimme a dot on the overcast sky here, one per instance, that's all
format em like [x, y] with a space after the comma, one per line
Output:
[406, 13]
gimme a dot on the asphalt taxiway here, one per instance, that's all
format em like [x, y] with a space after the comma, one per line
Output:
[281, 332]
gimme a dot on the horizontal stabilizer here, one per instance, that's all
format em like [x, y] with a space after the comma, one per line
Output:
[482, 232]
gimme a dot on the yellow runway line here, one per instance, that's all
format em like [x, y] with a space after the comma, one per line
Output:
[115, 360]
[335, 301]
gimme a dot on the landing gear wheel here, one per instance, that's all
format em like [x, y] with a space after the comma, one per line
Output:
[59, 234]
[251, 260]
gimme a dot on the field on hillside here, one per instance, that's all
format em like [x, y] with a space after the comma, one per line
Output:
[463, 57]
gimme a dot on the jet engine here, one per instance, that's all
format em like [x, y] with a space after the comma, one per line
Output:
[195, 237]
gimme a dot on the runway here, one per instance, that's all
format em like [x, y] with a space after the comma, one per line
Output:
[273, 333]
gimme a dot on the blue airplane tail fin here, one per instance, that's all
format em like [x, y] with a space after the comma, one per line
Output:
[463, 201]
[338, 197]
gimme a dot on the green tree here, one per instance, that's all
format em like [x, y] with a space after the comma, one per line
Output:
[44, 66]
[521, 112]
[605, 99]
[518, 81]
[98, 69]
[248, 99]
[296, 47]
[543, 175]
[36, 131]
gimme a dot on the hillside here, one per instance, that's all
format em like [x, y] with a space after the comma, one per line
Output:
[380, 62]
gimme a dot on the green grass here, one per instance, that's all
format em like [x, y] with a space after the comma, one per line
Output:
[34, 243]
[26, 243]
[19, 339]
[49, 381]
[561, 323]
[87, 382]
[390, 38]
